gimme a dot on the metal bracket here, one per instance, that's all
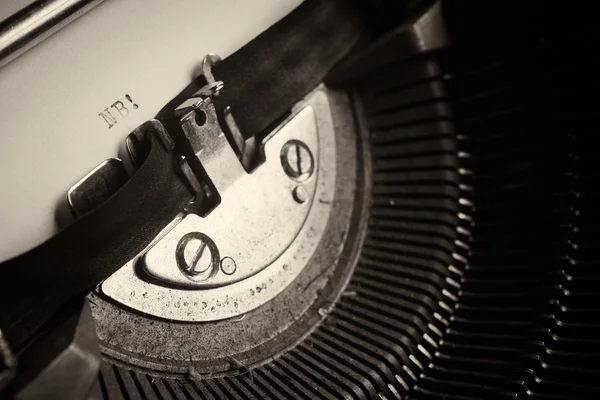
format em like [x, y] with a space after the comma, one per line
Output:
[245, 238]
[260, 237]
[247, 150]
[203, 132]
[200, 125]
[208, 141]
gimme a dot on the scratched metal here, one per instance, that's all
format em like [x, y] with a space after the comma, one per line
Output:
[259, 224]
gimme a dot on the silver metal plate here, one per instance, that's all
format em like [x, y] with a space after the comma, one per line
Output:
[258, 217]
[268, 260]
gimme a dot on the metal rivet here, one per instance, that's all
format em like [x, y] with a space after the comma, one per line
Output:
[300, 194]
[228, 265]
[297, 160]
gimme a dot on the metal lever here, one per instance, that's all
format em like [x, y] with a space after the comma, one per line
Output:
[246, 149]
[209, 143]
[220, 159]
[203, 133]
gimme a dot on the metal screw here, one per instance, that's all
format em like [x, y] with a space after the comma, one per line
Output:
[300, 194]
[297, 160]
[228, 265]
[197, 256]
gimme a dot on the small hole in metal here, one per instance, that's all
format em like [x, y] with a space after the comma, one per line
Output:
[200, 117]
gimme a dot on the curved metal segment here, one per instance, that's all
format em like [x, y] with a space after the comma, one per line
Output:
[266, 263]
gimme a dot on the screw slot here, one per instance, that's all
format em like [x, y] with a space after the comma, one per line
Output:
[297, 160]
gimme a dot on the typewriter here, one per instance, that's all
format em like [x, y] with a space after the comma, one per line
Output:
[288, 199]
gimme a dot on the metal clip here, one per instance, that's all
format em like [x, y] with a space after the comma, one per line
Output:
[200, 125]
[246, 149]
[210, 145]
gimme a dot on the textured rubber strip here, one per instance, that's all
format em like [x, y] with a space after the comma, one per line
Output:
[293, 56]
[35, 284]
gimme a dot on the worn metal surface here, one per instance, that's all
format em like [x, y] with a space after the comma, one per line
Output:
[145, 343]
[259, 224]
[257, 218]
[245, 149]
[202, 131]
